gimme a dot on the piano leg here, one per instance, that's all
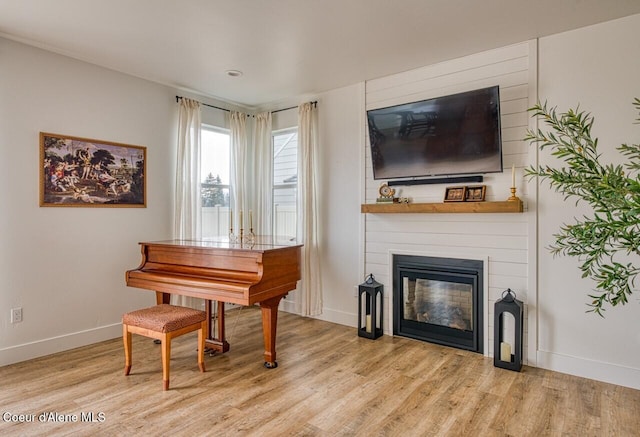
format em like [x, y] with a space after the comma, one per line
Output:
[162, 297]
[218, 343]
[269, 309]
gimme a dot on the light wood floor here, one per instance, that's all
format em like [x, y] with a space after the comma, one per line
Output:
[329, 382]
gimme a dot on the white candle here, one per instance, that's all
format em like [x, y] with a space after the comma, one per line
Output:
[250, 219]
[368, 324]
[513, 175]
[505, 352]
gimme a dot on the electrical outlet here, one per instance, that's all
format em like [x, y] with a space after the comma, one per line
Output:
[16, 315]
[355, 291]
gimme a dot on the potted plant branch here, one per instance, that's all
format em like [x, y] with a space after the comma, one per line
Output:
[608, 242]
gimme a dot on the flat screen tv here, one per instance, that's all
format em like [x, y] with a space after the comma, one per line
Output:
[446, 136]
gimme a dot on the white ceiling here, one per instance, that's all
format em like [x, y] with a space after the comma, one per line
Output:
[285, 48]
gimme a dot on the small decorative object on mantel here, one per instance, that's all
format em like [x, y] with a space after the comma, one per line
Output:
[507, 353]
[386, 194]
[475, 193]
[370, 308]
[455, 194]
[513, 196]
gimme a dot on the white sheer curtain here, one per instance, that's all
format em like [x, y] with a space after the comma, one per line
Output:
[263, 175]
[187, 214]
[239, 198]
[309, 297]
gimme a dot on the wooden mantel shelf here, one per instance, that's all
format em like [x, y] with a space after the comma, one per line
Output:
[443, 207]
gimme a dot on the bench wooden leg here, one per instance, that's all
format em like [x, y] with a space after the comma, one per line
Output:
[166, 359]
[126, 337]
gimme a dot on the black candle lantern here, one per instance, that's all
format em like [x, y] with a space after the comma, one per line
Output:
[507, 354]
[370, 308]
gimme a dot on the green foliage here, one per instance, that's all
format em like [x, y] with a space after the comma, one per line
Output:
[212, 193]
[612, 233]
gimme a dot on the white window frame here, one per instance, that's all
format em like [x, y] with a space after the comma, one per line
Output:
[280, 213]
[215, 219]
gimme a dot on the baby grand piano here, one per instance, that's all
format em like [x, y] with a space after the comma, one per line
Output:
[217, 270]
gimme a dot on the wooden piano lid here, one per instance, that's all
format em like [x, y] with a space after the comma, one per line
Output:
[262, 243]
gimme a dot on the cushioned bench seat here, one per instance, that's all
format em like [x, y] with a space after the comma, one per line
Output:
[163, 322]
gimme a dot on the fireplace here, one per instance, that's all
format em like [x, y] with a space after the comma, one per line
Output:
[439, 300]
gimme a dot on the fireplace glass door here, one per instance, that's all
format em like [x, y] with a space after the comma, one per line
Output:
[438, 302]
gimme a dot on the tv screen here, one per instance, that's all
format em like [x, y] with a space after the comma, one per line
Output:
[445, 136]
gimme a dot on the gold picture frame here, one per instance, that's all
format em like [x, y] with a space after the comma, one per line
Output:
[475, 193]
[455, 194]
[82, 172]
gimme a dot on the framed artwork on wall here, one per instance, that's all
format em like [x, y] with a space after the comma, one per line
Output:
[82, 172]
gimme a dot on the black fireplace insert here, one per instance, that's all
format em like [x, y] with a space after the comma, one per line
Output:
[439, 300]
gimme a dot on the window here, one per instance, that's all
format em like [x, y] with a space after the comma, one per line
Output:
[215, 164]
[285, 182]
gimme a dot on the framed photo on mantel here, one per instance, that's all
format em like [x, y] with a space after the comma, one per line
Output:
[455, 194]
[81, 172]
[476, 193]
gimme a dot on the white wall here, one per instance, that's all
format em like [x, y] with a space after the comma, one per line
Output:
[341, 131]
[596, 67]
[340, 117]
[65, 266]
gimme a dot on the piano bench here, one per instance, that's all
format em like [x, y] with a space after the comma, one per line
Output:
[163, 322]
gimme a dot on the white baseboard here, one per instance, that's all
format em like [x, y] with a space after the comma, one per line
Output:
[328, 315]
[605, 372]
[48, 346]
[339, 317]
[287, 306]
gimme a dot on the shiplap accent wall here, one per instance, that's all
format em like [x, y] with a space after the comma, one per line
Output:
[504, 240]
